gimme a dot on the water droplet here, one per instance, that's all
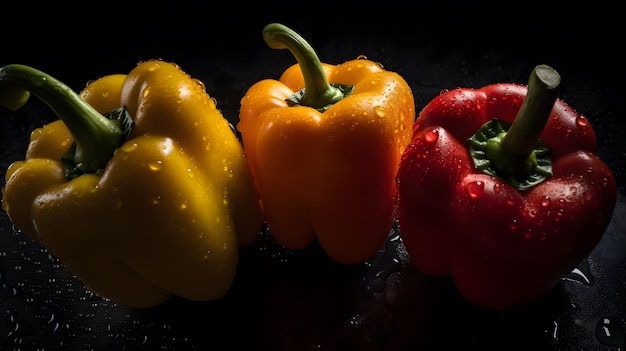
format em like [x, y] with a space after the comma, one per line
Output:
[145, 92]
[555, 330]
[155, 165]
[545, 202]
[497, 187]
[582, 121]
[475, 189]
[609, 332]
[379, 111]
[38, 81]
[129, 147]
[581, 274]
[431, 135]
[199, 83]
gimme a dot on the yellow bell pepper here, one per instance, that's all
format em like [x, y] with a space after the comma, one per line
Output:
[150, 200]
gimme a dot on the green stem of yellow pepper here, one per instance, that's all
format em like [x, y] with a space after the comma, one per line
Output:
[96, 136]
[318, 93]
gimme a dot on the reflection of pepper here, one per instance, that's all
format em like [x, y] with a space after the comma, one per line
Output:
[141, 217]
[508, 233]
[324, 158]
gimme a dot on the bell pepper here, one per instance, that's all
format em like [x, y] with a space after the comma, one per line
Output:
[324, 143]
[150, 200]
[501, 190]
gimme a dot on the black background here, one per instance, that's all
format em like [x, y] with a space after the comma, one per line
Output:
[285, 300]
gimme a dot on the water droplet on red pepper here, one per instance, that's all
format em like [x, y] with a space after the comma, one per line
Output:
[581, 121]
[497, 187]
[475, 189]
[431, 135]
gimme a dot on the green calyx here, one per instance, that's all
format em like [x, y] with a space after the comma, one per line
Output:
[73, 165]
[318, 93]
[95, 136]
[514, 152]
[521, 172]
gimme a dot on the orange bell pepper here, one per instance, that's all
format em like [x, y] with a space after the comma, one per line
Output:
[324, 143]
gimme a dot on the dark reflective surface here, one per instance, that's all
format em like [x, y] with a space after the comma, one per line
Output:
[285, 300]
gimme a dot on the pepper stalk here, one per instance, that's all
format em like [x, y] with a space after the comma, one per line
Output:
[514, 152]
[96, 136]
[318, 93]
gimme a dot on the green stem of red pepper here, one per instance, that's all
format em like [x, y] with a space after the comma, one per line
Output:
[517, 155]
[543, 90]
[96, 136]
[318, 93]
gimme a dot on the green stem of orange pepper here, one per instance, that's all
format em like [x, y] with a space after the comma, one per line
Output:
[95, 136]
[318, 93]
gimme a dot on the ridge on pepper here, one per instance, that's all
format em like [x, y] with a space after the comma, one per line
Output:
[324, 143]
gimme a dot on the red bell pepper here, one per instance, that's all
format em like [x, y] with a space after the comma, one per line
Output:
[501, 189]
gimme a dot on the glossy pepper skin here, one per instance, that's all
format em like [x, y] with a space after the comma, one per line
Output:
[164, 210]
[325, 166]
[502, 246]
